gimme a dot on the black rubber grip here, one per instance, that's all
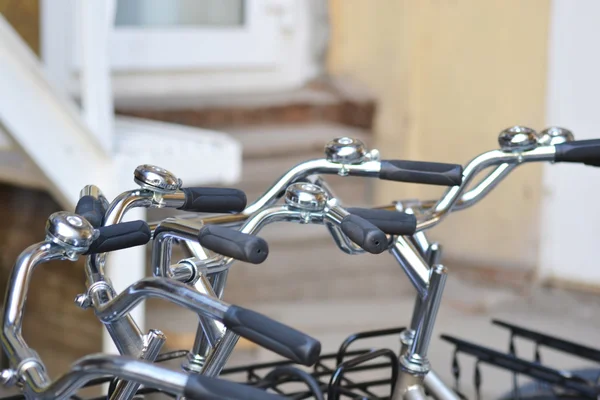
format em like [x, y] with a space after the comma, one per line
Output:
[120, 236]
[283, 340]
[200, 387]
[91, 209]
[233, 243]
[213, 200]
[390, 222]
[429, 173]
[580, 151]
[364, 233]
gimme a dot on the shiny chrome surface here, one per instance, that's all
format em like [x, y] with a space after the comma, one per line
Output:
[124, 331]
[94, 191]
[216, 360]
[126, 201]
[430, 307]
[432, 216]
[70, 231]
[484, 186]
[162, 288]
[345, 150]
[555, 135]
[213, 343]
[306, 169]
[305, 196]
[156, 179]
[342, 241]
[101, 365]
[517, 138]
[209, 332]
[183, 271]
[419, 239]
[126, 334]
[434, 254]
[153, 343]
[206, 352]
[13, 343]
[162, 244]
[413, 265]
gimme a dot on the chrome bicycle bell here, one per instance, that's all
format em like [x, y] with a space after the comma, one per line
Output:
[156, 179]
[70, 231]
[555, 135]
[345, 150]
[305, 197]
[518, 138]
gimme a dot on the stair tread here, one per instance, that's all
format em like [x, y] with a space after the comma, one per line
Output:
[285, 140]
[304, 95]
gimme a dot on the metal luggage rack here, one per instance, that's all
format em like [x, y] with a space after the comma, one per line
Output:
[334, 376]
[558, 383]
[337, 375]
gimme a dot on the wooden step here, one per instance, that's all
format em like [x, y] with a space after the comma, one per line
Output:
[282, 141]
[337, 100]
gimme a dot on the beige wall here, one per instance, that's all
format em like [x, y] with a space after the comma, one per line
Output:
[449, 75]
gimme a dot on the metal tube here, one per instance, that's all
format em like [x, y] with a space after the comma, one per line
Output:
[212, 348]
[182, 272]
[414, 393]
[218, 281]
[213, 331]
[305, 169]
[437, 388]
[216, 360]
[14, 345]
[168, 289]
[412, 263]
[153, 342]
[419, 239]
[485, 186]
[126, 201]
[125, 333]
[430, 307]
[417, 313]
[164, 234]
[492, 158]
[342, 241]
[170, 200]
[409, 386]
[434, 254]
[101, 365]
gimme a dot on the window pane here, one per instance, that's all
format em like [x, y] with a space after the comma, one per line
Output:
[180, 12]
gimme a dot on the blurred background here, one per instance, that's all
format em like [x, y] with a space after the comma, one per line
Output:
[235, 92]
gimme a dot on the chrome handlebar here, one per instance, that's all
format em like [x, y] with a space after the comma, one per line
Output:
[304, 203]
[101, 365]
[67, 237]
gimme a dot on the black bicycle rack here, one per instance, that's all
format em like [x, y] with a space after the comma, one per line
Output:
[557, 383]
[365, 374]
